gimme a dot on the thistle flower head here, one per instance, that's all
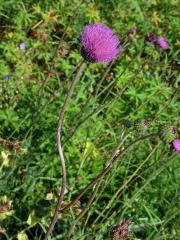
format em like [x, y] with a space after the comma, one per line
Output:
[167, 133]
[162, 43]
[141, 125]
[121, 232]
[176, 145]
[152, 38]
[158, 41]
[99, 43]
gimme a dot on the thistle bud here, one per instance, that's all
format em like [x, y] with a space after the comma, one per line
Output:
[141, 125]
[127, 123]
[167, 133]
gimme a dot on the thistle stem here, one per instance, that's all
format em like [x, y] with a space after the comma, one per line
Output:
[60, 152]
[98, 180]
[114, 158]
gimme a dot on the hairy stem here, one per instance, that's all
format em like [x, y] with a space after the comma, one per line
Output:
[60, 152]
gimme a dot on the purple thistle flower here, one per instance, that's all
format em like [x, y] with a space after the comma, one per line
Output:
[152, 38]
[162, 43]
[99, 43]
[7, 77]
[22, 46]
[176, 145]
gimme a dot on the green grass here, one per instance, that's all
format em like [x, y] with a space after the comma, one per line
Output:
[142, 83]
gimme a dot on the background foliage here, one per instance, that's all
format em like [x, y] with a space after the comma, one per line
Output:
[142, 84]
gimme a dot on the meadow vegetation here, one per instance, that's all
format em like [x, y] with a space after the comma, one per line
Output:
[112, 105]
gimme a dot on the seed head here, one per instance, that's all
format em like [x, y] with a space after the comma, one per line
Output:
[121, 232]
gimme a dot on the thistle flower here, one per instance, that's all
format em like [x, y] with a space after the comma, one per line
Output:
[141, 125]
[176, 145]
[158, 41]
[99, 43]
[162, 43]
[121, 232]
[152, 38]
[22, 46]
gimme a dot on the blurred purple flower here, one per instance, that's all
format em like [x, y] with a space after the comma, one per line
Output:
[152, 38]
[145, 122]
[7, 77]
[99, 43]
[159, 41]
[174, 131]
[162, 43]
[176, 145]
[133, 30]
[22, 46]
